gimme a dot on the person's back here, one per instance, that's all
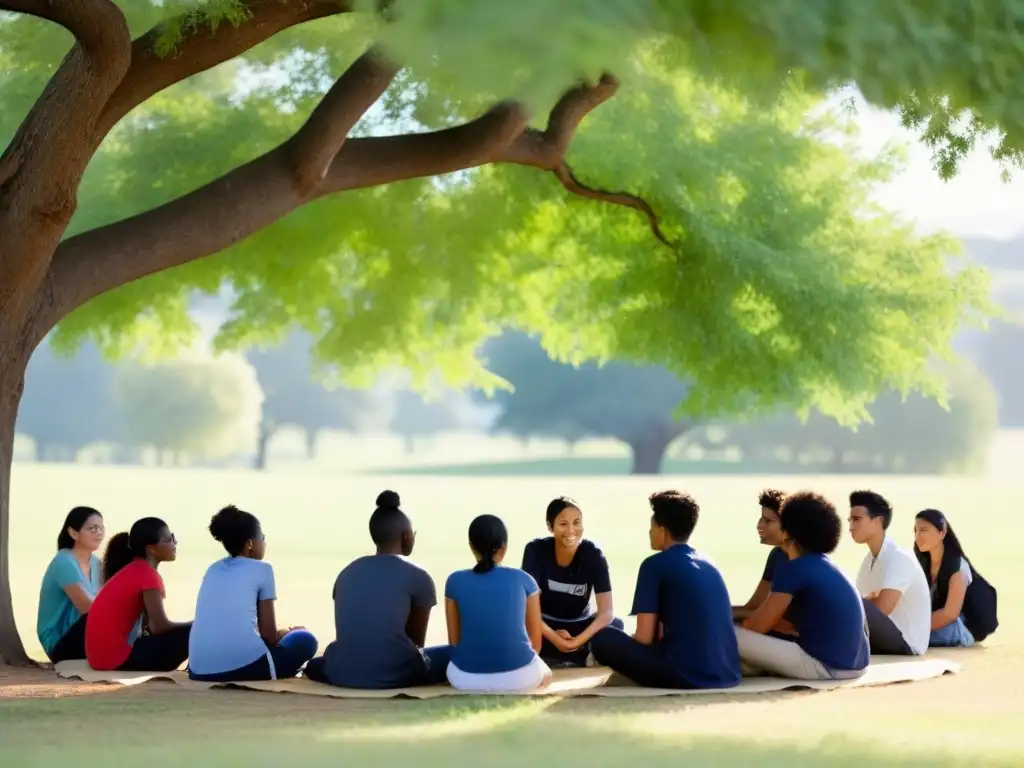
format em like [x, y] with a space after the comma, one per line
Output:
[373, 596]
[114, 616]
[225, 634]
[696, 614]
[827, 611]
[492, 616]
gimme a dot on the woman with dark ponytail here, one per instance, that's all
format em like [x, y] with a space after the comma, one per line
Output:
[494, 621]
[128, 628]
[949, 575]
[235, 635]
[69, 586]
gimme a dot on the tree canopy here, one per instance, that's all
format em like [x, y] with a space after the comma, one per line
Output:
[630, 403]
[708, 216]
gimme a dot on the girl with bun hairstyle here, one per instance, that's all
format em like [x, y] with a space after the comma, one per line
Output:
[69, 585]
[494, 622]
[235, 635]
[382, 605]
[128, 628]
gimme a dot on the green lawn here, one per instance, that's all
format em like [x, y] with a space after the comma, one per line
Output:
[316, 522]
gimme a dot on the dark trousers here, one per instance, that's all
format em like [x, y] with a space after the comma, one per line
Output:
[435, 669]
[159, 653]
[72, 644]
[646, 665]
[288, 656]
[884, 636]
[577, 658]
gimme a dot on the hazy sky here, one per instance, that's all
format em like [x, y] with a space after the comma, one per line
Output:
[976, 202]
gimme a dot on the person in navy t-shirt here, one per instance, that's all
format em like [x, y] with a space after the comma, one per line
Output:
[569, 569]
[684, 630]
[825, 621]
[769, 532]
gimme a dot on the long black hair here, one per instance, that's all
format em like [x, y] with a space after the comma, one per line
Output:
[125, 547]
[487, 535]
[952, 554]
[75, 520]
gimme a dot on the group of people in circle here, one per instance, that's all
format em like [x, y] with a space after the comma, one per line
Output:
[508, 627]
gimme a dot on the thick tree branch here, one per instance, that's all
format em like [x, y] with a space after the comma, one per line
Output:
[200, 50]
[316, 143]
[96, 24]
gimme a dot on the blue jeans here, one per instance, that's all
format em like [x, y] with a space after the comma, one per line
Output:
[577, 658]
[285, 660]
[953, 635]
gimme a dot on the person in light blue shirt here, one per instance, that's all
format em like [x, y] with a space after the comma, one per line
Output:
[235, 636]
[494, 619]
[69, 585]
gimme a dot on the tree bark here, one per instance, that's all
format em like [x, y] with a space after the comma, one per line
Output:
[312, 436]
[649, 454]
[12, 379]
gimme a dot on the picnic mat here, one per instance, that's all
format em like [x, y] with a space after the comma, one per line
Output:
[591, 681]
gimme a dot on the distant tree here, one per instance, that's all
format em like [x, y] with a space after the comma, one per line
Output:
[630, 403]
[912, 436]
[294, 396]
[1001, 357]
[416, 416]
[201, 406]
[67, 403]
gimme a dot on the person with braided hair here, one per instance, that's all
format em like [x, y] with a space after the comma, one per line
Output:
[494, 620]
[128, 628]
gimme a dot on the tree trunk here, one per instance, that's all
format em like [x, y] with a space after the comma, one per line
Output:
[11, 382]
[311, 439]
[649, 453]
[262, 441]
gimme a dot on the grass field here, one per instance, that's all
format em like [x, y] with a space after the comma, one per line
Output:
[316, 522]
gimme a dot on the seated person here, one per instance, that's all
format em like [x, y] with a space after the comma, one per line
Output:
[897, 603]
[235, 635]
[684, 630]
[494, 623]
[568, 568]
[828, 638]
[70, 583]
[949, 575]
[382, 606]
[768, 532]
[128, 628]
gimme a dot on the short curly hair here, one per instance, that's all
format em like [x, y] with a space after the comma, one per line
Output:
[811, 521]
[771, 498]
[676, 512]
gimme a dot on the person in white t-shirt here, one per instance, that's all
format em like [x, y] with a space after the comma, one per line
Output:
[949, 575]
[897, 602]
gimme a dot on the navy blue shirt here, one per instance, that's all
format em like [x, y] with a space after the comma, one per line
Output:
[775, 557]
[492, 619]
[690, 598]
[826, 610]
[565, 590]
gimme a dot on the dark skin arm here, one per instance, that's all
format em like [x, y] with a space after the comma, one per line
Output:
[267, 622]
[416, 625]
[769, 615]
[648, 628]
[756, 600]
[156, 616]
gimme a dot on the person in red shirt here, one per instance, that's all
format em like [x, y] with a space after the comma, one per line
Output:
[128, 628]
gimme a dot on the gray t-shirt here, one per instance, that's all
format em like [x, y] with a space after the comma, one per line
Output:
[372, 600]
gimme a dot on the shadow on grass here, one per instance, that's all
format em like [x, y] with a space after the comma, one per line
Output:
[213, 731]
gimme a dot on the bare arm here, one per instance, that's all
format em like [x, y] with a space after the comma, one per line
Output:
[156, 616]
[756, 600]
[533, 621]
[605, 614]
[78, 597]
[647, 627]
[267, 620]
[886, 600]
[451, 617]
[768, 616]
[416, 625]
[950, 612]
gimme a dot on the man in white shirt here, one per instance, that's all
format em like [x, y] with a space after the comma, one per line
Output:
[897, 603]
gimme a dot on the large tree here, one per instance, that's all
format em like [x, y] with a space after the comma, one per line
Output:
[219, 138]
[634, 404]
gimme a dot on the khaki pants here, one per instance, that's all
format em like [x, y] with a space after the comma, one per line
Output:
[766, 655]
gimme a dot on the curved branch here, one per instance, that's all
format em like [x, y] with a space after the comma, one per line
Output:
[568, 179]
[98, 25]
[151, 73]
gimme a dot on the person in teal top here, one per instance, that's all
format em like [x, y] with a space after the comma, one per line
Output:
[70, 583]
